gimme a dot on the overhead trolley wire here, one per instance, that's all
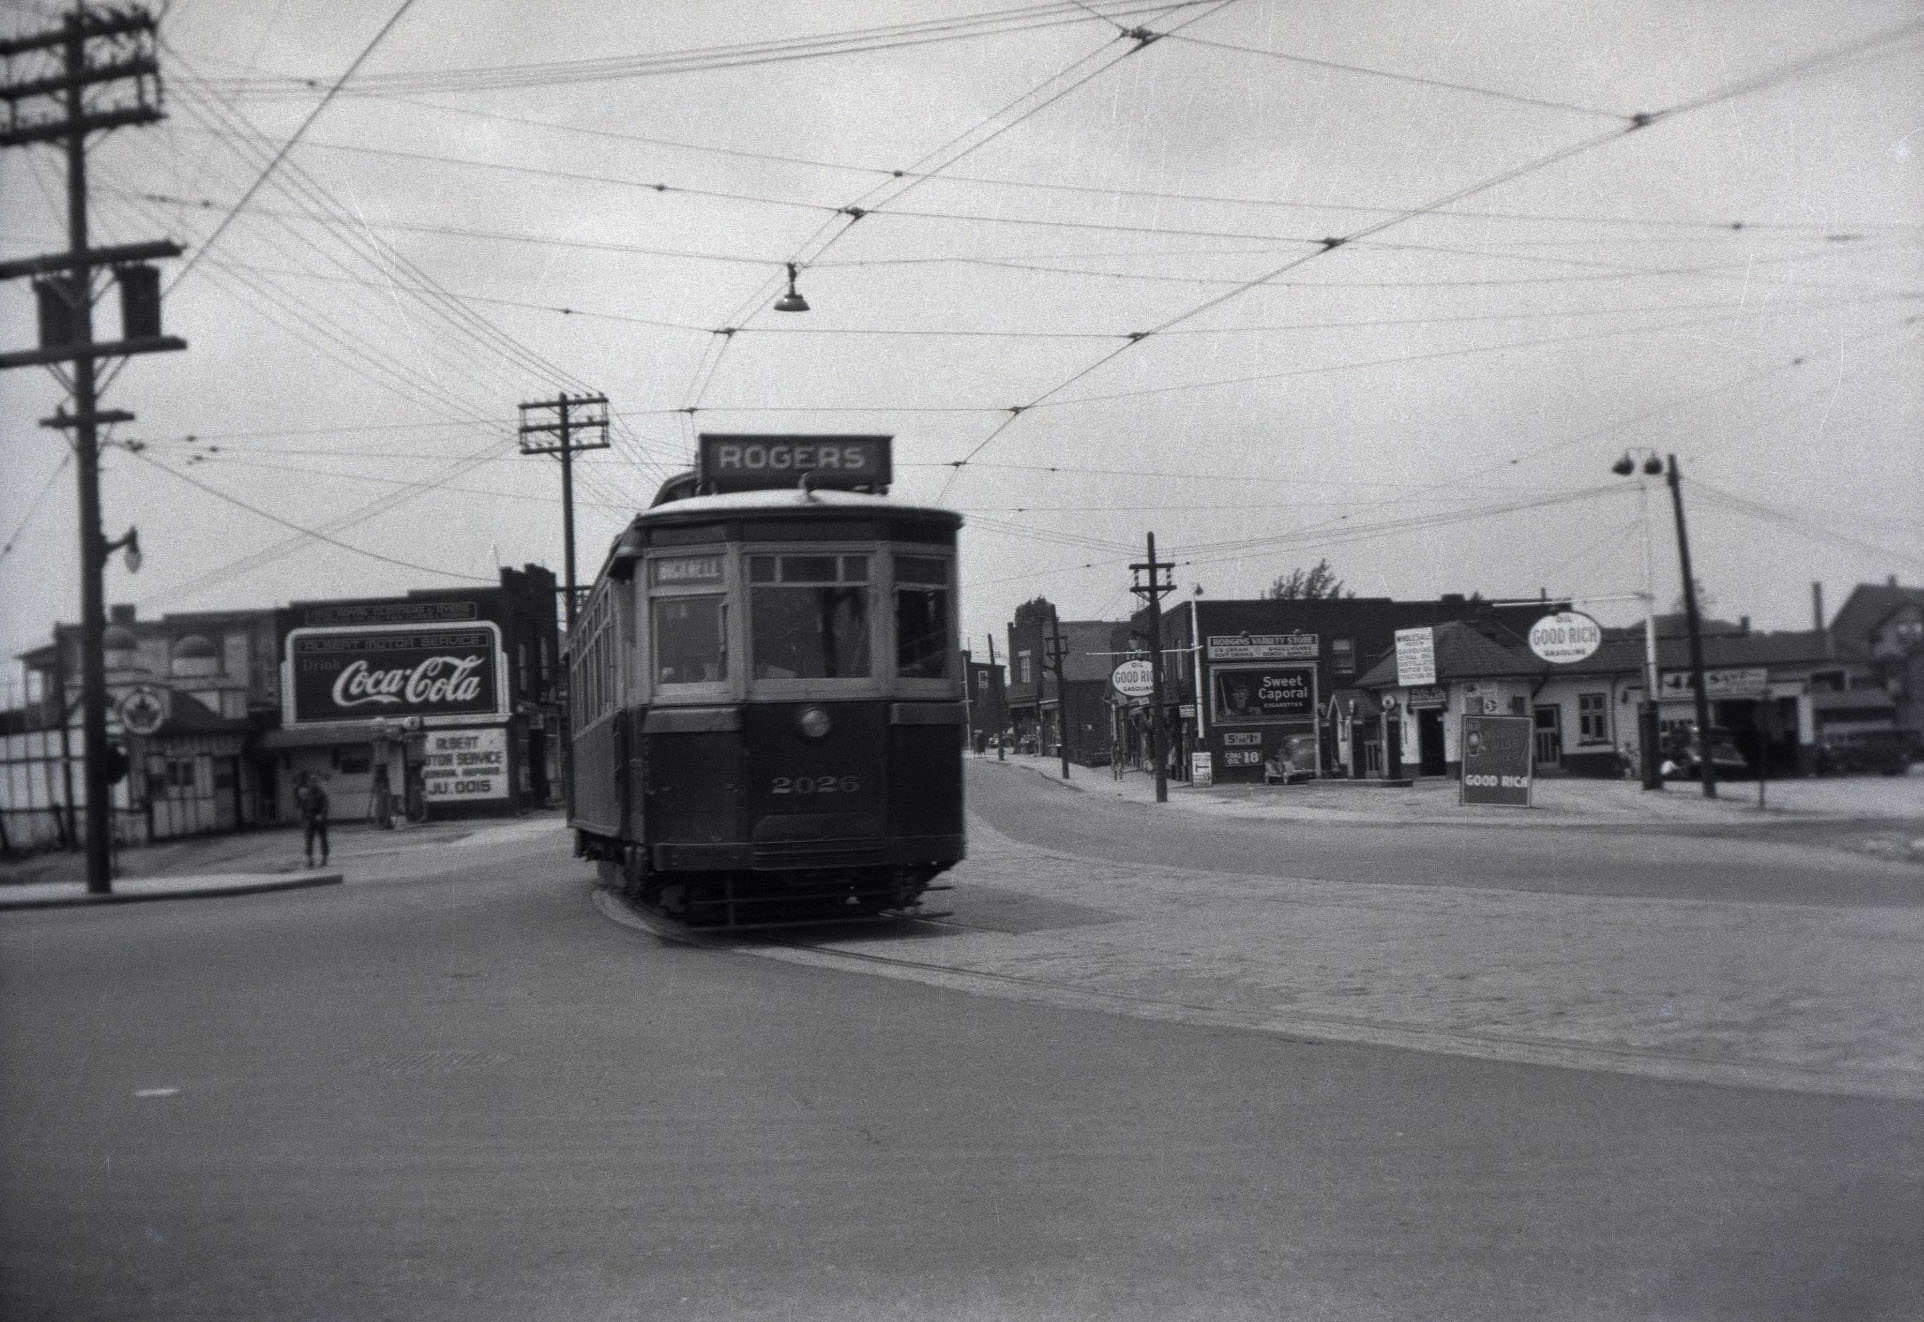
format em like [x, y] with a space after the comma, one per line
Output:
[1735, 225]
[306, 534]
[465, 322]
[1393, 76]
[703, 59]
[932, 163]
[1785, 518]
[1636, 123]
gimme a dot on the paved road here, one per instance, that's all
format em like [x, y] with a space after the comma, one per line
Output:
[1776, 865]
[469, 1096]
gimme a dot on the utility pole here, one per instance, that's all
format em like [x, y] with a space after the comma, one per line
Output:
[1054, 649]
[566, 414]
[1706, 768]
[1001, 754]
[1153, 590]
[94, 72]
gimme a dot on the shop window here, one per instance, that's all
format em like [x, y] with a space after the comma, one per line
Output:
[351, 760]
[1592, 719]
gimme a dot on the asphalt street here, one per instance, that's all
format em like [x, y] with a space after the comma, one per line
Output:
[466, 1094]
[1782, 862]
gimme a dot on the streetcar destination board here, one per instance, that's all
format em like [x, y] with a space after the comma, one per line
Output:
[743, 461]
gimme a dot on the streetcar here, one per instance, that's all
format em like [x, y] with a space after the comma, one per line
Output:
[766, 691]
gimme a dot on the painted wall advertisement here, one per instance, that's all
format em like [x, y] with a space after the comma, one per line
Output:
[466, 764]
[1497, 759]
[393, 671]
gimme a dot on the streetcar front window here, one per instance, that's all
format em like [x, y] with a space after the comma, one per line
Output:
[921, 617]
[691, 640]
[809, 616]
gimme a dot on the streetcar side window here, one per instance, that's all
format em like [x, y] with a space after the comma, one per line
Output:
[922, 644]
[809, 616]
[691, 639]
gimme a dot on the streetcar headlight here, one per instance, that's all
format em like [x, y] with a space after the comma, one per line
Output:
[813, 722]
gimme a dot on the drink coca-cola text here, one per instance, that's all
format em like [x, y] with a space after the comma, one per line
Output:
[450, 679]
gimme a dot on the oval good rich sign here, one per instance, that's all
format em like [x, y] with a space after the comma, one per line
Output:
[1565, 637]
[1134, 679]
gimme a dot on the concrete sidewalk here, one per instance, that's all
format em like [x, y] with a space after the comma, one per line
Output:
[1556, 801]
[270, 860]
[135, 890]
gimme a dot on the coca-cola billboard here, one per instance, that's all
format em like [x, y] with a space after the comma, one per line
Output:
[391, 671]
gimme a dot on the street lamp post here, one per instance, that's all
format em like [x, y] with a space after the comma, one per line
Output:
[1647, 739]
[1706, 765]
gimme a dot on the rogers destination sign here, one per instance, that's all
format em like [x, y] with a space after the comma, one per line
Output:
[748, 461]
[362, 674]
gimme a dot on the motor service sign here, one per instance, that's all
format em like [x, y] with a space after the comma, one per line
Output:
[466, 764]
[1496, 759]
[393, 671]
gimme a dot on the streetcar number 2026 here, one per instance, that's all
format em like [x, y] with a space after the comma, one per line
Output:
[816, 785]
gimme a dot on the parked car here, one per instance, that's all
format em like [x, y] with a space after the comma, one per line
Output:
[1849, 752]
[1724, 758]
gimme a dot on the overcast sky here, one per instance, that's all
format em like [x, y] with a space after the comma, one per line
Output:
[1096, 273]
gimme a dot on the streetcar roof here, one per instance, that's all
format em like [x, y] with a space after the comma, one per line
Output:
[782, 499]
[777, 501]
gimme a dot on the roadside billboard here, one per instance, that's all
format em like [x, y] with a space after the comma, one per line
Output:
[1264, 695]
[444, 672]
[1497, 753]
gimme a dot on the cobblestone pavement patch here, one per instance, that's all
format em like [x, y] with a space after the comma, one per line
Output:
[1790, 996]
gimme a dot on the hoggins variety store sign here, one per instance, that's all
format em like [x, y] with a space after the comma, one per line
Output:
[393, 671]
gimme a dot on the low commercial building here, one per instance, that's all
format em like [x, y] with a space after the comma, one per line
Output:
[1777, 694]
[448, 693]
[1882, 624]
[1267, 687]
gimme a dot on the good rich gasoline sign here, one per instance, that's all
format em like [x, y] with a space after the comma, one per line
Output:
[1497, 759]
[1565, 637]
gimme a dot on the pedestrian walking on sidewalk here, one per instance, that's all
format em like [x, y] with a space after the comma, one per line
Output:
[312, 801]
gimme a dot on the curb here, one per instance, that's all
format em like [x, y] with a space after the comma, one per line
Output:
[205, 892]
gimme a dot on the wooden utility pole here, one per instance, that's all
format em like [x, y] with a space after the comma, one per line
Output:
[45, 81]
[567, 415]
[1054, 651]
[1001, 753]
[1706, 768]
[1152, 590]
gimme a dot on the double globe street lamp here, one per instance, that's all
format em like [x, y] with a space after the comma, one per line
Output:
[1647, 738]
